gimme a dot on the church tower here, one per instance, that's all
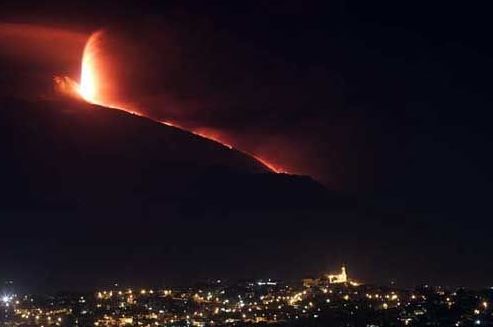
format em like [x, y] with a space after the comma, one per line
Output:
[339, 278]
[343, 276]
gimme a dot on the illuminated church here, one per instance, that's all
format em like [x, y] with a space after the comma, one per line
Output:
[341, 278]
[338, 278]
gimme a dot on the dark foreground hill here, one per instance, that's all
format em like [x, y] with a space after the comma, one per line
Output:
[96, 189]
[91, 195]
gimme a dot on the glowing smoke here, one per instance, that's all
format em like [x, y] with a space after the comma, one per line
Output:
[98, 85]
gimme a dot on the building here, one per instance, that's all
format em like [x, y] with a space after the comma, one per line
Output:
[341, 278]
[338, 278]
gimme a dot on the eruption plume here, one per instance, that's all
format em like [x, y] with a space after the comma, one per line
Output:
[97, 87]
[89, 82]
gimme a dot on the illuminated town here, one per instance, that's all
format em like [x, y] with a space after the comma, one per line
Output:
[331, 300]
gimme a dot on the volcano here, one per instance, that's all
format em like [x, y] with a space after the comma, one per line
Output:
[73, 154]
[79, 180]
[99, 195]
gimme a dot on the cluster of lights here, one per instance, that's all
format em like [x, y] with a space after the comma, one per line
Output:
[273, 303]
[261, 302]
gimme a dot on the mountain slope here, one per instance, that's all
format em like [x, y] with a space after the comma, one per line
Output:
[67, 149]
[94, 195]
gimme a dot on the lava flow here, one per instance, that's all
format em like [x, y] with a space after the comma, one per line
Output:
[94, 88]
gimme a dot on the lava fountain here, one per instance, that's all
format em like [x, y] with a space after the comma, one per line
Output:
[96, 83]
[89, 82]
[93, 85]
[96, 88]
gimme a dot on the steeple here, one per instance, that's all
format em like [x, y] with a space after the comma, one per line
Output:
[339, 278]
[343, 276]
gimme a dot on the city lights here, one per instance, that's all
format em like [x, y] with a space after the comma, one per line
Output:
[5, 299]
[252, 302]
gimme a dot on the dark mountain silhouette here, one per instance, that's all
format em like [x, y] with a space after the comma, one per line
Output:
[91, 195]
[75, 155]
[83, 179]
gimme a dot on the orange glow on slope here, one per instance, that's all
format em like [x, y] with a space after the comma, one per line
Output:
[269, 165]
[67, 86]
[93, 88]
[210, 134]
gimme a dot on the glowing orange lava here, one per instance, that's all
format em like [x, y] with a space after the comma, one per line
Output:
[89, 88]
[93, 88]
[88, 77]
[67, 86]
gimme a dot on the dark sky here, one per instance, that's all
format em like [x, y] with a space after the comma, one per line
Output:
[389, 102]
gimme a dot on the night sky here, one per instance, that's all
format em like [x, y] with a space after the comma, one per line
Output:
[388, 104]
